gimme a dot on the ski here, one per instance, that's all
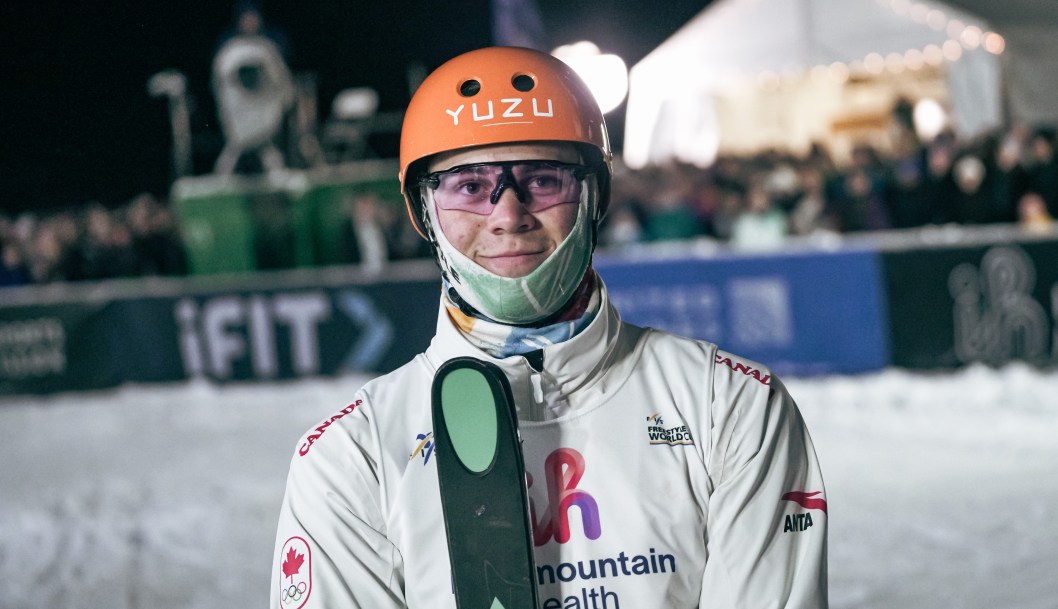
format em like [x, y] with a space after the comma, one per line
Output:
[483, 493]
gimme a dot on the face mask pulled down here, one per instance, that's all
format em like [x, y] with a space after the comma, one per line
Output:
[521, 300]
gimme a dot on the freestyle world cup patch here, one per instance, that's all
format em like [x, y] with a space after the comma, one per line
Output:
[659, 434]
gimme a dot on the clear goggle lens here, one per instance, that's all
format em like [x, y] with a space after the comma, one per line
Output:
[477, 188]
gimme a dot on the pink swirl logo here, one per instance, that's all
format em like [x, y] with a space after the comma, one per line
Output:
[564, 469]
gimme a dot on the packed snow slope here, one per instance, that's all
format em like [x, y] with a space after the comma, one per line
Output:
[942, 490]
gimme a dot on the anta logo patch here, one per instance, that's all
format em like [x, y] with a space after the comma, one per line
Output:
[511, 107]
[309, 441]
[796, 523]
[295, 575]
[667, 436]
[563, 469]
[424, 448]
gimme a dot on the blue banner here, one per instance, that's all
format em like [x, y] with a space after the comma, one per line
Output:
[800, 314]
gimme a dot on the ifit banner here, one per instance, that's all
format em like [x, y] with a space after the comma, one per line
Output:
[58, 347]
[221, 335]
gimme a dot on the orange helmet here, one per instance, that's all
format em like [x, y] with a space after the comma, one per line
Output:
[500, 95]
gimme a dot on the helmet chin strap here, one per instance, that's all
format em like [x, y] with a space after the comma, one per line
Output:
[519, 300]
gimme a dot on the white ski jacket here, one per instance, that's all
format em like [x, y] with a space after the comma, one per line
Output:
[665, 474]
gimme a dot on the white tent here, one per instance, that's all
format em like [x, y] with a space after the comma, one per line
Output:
[1030, 61]
[797, 56]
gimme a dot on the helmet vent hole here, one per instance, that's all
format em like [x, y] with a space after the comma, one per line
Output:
[469, 88]
[523, 82]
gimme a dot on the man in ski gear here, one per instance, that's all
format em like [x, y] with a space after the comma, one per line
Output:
[663, 473]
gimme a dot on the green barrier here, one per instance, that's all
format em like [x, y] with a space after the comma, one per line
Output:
[331, 201]
[234, 224]
[218, 233]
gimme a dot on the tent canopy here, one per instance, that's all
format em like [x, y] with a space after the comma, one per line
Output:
[670, 89]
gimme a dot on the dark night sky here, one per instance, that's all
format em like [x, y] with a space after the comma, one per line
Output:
[77, 123]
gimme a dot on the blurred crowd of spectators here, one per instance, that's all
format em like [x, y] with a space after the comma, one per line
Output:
[91, 242]
[751, 202]
[758, 201]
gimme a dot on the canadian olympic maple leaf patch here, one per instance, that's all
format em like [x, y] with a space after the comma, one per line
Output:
[293, 563]
[295, 579]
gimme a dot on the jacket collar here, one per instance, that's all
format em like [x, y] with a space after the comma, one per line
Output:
[571, 368]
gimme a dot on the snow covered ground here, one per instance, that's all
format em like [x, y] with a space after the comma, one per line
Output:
[943, 490]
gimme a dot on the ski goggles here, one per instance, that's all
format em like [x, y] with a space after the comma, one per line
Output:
[477, 187]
